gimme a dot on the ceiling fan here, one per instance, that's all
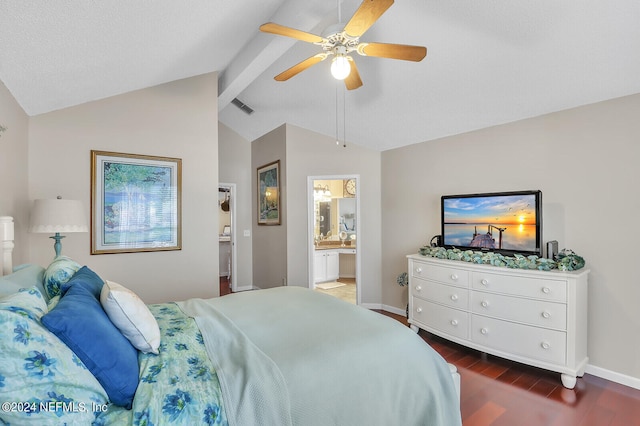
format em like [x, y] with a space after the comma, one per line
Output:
[341, 41]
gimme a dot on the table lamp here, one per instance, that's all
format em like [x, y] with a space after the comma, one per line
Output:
[56, 216]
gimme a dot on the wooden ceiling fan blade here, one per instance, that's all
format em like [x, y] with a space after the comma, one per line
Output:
[278, 29]
[298, 68]
[366, 15]
[393, 51]
[353, 80]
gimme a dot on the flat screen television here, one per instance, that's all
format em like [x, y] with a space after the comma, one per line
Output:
[503, 222]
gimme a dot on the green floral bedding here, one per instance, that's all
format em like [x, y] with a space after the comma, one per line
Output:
[179, 386]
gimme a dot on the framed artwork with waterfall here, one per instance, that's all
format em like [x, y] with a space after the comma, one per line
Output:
[269, 194]
[135, 203]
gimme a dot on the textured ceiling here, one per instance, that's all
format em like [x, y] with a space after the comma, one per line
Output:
[488, 62]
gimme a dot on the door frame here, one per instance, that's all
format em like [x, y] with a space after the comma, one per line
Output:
[311, 222]
[232, 208]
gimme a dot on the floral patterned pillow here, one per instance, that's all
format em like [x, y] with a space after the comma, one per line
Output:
[41, 379]
[59, 272]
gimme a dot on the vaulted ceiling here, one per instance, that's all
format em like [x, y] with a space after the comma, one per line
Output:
[488, 62]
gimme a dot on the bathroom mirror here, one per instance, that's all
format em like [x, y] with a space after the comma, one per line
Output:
[324, 218]
[347, 215]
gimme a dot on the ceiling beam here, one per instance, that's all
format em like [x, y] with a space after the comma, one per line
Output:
[264, 49]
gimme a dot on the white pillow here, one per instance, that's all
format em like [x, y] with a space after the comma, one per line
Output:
[131, 316]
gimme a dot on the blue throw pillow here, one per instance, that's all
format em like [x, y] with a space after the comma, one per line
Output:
[79, 321]
[86, 279]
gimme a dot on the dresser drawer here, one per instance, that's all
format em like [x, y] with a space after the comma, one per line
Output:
[527, 341]
[455, 297]
[529, 311]
[451, 276]
[448, 320]
[547, 289]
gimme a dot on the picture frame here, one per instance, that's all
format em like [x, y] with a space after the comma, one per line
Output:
[269, 211]
[135, 203]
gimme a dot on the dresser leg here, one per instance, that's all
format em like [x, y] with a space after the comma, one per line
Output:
[568, 381]
[414, 328]
[456, 378]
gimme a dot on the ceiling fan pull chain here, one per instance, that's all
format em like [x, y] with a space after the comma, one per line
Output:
[344, 118]
[337, 134]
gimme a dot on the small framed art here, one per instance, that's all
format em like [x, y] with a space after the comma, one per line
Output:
[269, 194]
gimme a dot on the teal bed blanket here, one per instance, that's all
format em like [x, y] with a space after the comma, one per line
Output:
[293, 356]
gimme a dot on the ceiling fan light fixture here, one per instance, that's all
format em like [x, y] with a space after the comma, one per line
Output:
[340, 40]
[340, 67]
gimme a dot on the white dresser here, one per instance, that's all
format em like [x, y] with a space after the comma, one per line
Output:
[534, 317]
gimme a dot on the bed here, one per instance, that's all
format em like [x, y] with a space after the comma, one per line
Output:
[78, 348]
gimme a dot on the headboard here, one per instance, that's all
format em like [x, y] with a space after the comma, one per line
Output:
[6, 245]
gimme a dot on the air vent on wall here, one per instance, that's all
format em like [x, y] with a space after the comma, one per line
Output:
[244, 107]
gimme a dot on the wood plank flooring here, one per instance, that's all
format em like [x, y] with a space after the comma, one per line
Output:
[225, 286]
[499, 392]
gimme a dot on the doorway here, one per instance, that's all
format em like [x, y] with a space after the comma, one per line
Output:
[333, 233]
[227, 235]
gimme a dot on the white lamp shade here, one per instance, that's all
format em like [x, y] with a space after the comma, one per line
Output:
[50, 216]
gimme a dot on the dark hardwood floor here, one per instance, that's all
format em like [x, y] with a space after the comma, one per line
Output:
[225, 287]
[498, 392]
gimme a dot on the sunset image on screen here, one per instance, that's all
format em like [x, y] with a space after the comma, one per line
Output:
[511, 210]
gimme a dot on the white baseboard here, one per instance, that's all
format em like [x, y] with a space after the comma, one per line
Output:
[386, 308]
[371, 305]
[394, 310]
[623, 379]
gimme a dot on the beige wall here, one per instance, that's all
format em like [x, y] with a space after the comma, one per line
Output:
[14, 200]
[235, 167]
[269, 242]
[312, 154]
[585, 161]
[177, 119]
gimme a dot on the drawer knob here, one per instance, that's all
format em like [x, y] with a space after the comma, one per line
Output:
[484, 331]
[454, 322]
[454, 277]
[484, 304]
[418, 270]
[545, 345]
[454, 297]
[546, 315]
[418, 309]
[546, 290]
[418, 288]
[484, 282]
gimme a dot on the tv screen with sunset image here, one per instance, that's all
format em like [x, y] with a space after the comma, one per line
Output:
[503, 222]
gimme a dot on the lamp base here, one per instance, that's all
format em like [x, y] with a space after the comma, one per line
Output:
[57, 246]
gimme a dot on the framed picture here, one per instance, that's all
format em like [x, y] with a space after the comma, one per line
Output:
[135, 203]
[269, 194]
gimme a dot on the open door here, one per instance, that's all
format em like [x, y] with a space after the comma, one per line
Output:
[334, 259]
[227, 234]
